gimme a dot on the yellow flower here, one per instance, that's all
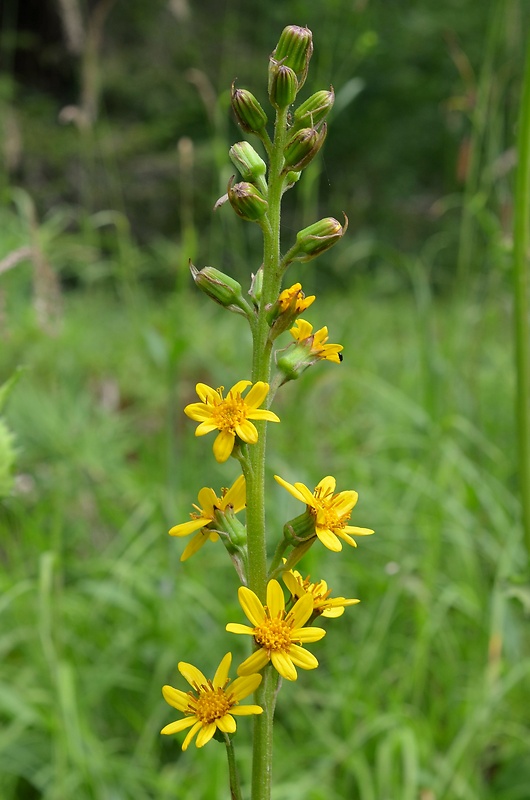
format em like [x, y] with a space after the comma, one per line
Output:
[231, 415]
[211, 705]
[278, 635]
[302, 333]
[233, 499]
[294, 299]
[331, 511]
[322, 602]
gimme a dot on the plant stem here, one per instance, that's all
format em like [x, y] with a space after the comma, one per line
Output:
[255, 477]
[235, 787]
[522, 301]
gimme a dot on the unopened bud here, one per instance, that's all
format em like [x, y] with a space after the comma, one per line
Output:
[283, 86]
[294, 49]
[246, 201]
[248, 162]
[220, 287]
[301, 148]
[256, 286]
[314, 109]
[317, 238]
[248, 111]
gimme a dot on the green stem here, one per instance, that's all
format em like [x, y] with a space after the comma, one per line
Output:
[255, 477]
[235, 788]
[522, 302]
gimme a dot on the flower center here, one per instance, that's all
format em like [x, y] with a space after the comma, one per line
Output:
[230, 413]
[273, 634]
[211, 704]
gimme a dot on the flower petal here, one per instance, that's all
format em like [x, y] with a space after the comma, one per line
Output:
[301, 611]
[247, 432]
[236, 627]
[206, 393]
[207, 501]
[290, 488]
[195, 544]
[262, 413]
[326, 485]
[221, 674]
[244, 686]
[193, 675]
[191, 734]
[276, 600]
[185, 528]
[236, 496]
[198, 411]
[302, 658]
[283, 664]
[308, 634]
[242, 711]
[223, 446]
[179, 725]
[206, 733]
[253, 663]
[257, 394]
[226, 724]
[176, 698]
[239, 387]
[205, 427]
[329, 539]
[357, 531]
[251, 605]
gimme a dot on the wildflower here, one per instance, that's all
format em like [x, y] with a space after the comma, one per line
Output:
[212, 705]
[208, 513]
[231, 415]
[322, 602]
[276, 633]
[302, 333]
[330, 511]
[294, 299]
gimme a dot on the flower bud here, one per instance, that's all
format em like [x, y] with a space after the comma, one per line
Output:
[248, 111]
[282, 86]
[290, 304]
[314, 109]
[246, 201]
[220, 287]
[317, 238]
[256, 286]
[294, 49]
[248, 162]
[302, 147]
[226, 522]
[294, 360]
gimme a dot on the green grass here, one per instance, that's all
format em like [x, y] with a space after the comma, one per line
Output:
[422, 689]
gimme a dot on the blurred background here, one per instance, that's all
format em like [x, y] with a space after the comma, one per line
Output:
[114, 134]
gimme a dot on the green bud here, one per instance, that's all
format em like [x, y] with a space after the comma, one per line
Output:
[246, 201]
[283, 86]
[227, 522]
[294, 49]
[317, 238]
[314, 109]
[256, 287]
[220, 287]
[294, 361]
[299, 529]
[302, 147]
[248, 111]
[248, 162]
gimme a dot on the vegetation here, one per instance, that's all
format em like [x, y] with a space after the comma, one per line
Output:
[422, 693]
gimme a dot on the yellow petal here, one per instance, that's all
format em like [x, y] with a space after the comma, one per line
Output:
[193, 675]
[301, 611]
[196, 543]
[206, 733]
[276, 600]
[262, 413]
[236, 495]
[357, 531]
[247, 432]
[226, 724]
[221, 673]
[207, 500]
[236, 627]
[239, 387]
[175, 698]
[302, 658]
[257, 394]
[241, 711]
[253, 663]
[223, 446]
[198, 411]
[179, 725]
[307, 634]
[191, 734]
[185, 528]
[207, 393]
[290, 488]
[329, 539]
[326, 485]
[204, 428]
[283, 664]
[251, 605]
[244, 686]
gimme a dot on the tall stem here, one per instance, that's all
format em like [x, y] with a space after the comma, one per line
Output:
[255, 474]
[522, 298]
